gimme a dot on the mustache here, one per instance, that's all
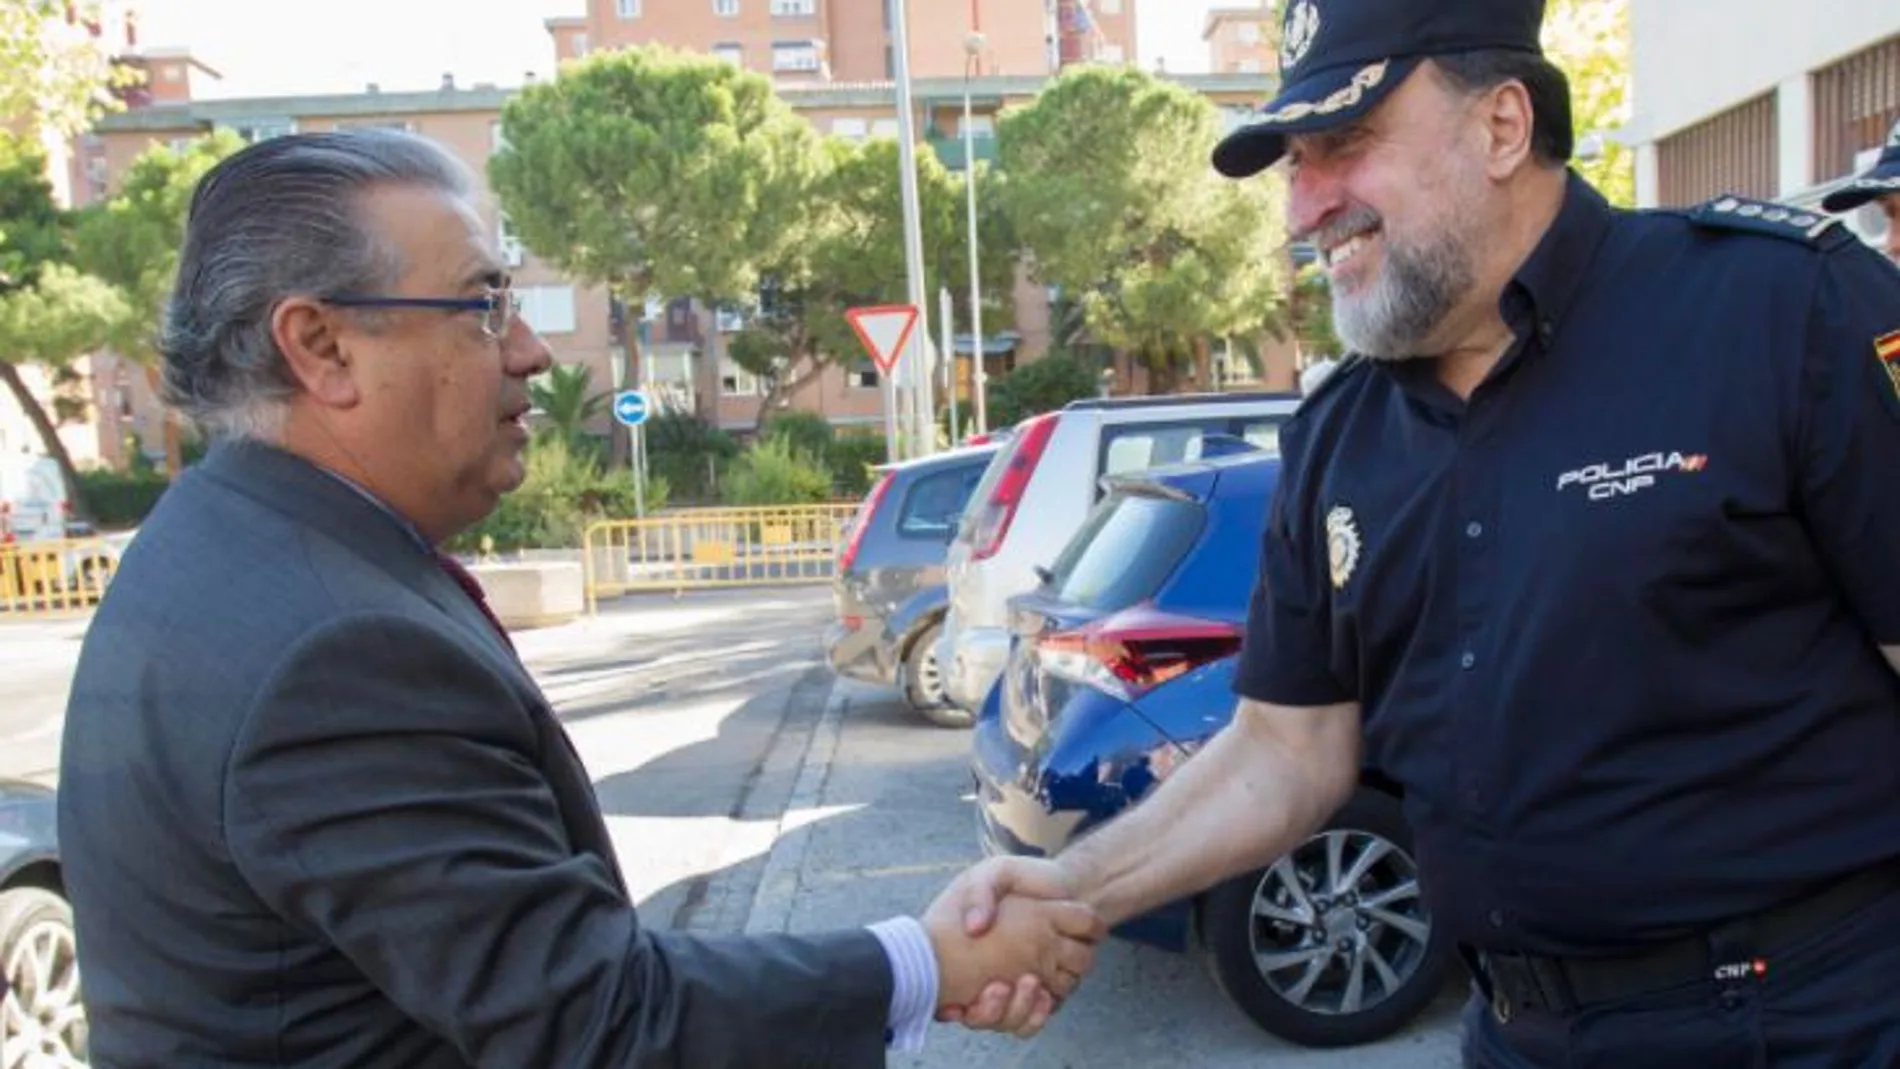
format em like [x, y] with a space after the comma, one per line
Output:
[1356, 220]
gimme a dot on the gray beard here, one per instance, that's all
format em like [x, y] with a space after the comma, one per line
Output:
[1417, 289]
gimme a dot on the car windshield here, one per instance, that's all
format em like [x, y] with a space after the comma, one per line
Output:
[1125, 550]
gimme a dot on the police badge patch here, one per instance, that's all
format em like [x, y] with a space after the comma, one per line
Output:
[1342, 544]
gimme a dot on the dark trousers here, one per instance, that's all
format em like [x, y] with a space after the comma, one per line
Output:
[1831, 1002]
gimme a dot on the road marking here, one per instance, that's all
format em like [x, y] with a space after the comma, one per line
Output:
[778, 887]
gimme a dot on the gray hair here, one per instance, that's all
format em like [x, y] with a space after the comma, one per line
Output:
[275, 219]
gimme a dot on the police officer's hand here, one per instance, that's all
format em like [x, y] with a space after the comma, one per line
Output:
[1022, 1008]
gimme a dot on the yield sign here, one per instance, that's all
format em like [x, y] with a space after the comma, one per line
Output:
[884, 329]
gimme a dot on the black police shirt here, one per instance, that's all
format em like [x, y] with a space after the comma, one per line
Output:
[1614, 622]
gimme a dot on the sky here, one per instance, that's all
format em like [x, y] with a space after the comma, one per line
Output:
[342, 45]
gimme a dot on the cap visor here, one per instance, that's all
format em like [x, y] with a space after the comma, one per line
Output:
[1846, 200]
[1320, 101]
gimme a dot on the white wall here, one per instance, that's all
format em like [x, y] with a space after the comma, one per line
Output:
[1691, 59]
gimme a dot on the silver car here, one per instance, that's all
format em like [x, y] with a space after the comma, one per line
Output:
[1040, 487]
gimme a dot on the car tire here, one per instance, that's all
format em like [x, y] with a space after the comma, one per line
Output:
[923, 682]
[1308, 998]
[37, 953]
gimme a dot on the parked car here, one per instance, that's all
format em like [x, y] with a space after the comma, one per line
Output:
[889, 587]
[33, 502]
[1041, 485]
[1121, 667]
[42, 1019]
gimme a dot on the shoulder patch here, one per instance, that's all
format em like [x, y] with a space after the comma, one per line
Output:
[1774, 220]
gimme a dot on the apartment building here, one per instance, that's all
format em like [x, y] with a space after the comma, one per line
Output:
[1243, 40]
[850, 40]
[1733, 96]
[579, 320]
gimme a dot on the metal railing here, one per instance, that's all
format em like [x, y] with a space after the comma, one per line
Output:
[694, 549]
[54, 577]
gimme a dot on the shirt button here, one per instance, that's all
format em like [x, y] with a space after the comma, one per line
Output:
[1468, 660]
[1474, 529]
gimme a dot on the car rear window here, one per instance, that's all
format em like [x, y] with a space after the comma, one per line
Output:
[935, 502]
[1125, 550]
[992, 474]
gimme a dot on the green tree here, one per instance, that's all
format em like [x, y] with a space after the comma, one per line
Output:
[654, 172]
[132, 241]
[57, 75]
[1110, 194]
[568, 402]
[1590, 41]
[853, 255]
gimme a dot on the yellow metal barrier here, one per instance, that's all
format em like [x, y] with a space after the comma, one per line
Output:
[718, 547]
[54, 577]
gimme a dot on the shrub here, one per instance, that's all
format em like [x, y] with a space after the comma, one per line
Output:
[774, 473]
[1041, 386]
[809, 432]
[121, 499]
[851, 459]
[689, 454]
[563, 493]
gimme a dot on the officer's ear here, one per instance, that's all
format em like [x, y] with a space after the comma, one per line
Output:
[1509, 122]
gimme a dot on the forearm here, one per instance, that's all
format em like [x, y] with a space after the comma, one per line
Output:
[1259, 788]
[1892, 654]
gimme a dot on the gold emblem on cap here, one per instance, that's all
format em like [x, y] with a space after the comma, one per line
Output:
[1296, 37]
[1362, 82]
[1342, 544]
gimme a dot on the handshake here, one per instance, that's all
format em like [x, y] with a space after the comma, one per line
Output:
[1012, 941]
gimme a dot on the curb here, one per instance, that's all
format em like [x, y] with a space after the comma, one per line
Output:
[778, 888]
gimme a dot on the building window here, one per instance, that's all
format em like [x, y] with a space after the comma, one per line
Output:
[580, 44]
[850, 129]
[885, 128]
[735, 381]
[670, 369]
[794, 8]
[726, 9]
[1249, 33]
[862, 375]
[981, 126]
[1856, 102]
[1109, 7]
[548, 309]
[264, 129]
[1248, 66]
[628, 9]
[507, 243]
[731, 53]
[377, 124]
[794, 56]
[1113, 54]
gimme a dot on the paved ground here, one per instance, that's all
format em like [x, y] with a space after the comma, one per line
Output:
[746, 792]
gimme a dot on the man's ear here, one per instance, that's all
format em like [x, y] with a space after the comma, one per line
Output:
[1509, 124]
[306, 332]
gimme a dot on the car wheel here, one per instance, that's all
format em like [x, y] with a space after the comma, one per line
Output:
[923, 682]
[1331, 946]
[42, 1018]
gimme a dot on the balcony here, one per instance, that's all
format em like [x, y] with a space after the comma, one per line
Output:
[950, 150]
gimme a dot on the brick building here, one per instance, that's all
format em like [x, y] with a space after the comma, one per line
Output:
[1243, 40]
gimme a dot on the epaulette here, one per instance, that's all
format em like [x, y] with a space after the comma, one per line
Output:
[1331, 381]
[1814, 228]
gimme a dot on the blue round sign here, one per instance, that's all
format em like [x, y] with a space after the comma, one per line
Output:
[631, 407]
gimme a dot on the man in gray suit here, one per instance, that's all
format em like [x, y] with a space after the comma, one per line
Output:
[314, 811]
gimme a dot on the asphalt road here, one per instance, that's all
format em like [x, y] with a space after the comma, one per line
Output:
[746, 792]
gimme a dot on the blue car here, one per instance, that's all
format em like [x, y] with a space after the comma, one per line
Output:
[1121, 666]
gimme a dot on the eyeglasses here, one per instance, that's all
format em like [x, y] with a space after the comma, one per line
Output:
[498, 306]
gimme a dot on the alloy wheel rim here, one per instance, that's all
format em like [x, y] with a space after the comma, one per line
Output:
[43, 1014]
[1339, 926]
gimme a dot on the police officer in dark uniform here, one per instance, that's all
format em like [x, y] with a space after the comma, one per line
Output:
[1879, 184]
[1594, 548]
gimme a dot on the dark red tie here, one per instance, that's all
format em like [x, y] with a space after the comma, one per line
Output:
[473, 588]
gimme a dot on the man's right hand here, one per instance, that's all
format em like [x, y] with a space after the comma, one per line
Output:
[1031, 944]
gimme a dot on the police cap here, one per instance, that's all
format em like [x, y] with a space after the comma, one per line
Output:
[1339, 58]
[1879, 180]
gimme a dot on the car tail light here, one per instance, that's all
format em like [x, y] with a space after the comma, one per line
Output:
[1133, 652]
[6, 523]
[862, 522]
[1000, 510]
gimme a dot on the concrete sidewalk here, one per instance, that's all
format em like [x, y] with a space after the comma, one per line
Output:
[880, 818]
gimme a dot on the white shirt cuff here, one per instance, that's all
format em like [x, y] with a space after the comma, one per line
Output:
[913, 980]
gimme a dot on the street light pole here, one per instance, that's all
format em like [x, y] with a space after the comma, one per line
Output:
[979, 379]
[913, 232]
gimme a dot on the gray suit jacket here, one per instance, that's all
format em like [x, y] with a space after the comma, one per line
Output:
[314, 813]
